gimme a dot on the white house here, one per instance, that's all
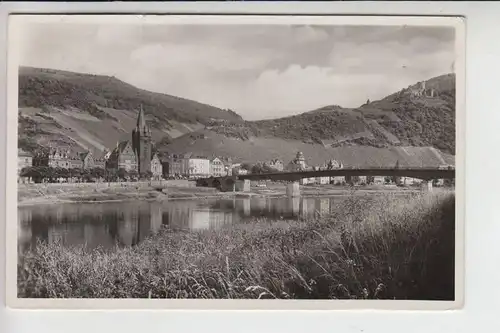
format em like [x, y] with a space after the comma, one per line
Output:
[239, 171]
[196, 166]
[298, 163]
[217, 168]
[156, 167]
[276, 164]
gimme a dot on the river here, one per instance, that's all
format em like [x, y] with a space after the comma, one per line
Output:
[108, 224]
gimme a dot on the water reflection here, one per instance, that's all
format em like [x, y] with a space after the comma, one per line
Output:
[126, 224]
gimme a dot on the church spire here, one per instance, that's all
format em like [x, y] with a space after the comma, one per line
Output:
[141, 120]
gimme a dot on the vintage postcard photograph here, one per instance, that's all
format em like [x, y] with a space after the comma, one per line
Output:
[235, 162]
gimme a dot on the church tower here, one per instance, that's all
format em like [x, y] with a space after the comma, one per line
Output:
[141, 143]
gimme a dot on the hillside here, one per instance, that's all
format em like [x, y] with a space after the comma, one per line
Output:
[415, 125]
[410, 117]
[261, 149]
[92, 112]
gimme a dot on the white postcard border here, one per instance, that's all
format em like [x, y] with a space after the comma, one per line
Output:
[11, 203]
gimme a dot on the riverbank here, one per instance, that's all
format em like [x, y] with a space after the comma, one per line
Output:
[371, 247]
[51, 195]
[67, 193]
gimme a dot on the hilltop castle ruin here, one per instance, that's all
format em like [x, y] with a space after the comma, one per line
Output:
[422, 91]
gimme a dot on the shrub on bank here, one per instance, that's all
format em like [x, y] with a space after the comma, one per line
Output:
[384, 247]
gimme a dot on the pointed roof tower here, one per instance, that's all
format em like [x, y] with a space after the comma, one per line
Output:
[141, 120]
[142, 126]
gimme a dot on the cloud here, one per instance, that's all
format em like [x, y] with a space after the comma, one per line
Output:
[307, 34]
[257, 70]
[300, 89]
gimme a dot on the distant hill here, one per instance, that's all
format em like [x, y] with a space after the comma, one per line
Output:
[415, 125]
[404, 118]
[261, 149]
[88, 111]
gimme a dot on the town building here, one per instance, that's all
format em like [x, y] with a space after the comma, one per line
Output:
[131, 155]
[87, 160]
[142, 144]
[298, 163]
[122, 157]
[228, 170]
[172, 166]
[75, 162]
[100, 162]
[321, 180]
[276, 164]
[56, 158]
[135, 154]
[217, 168]
[236, 169]
[228, 162]
[165, 165]
[409, 181]
[106, 154]
[330, 165]
[24, 160]
[156, 167]
[196, 166]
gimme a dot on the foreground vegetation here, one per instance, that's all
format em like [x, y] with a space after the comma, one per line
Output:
[384, 247]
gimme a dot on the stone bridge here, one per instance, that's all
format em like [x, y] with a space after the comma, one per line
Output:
[241, 183]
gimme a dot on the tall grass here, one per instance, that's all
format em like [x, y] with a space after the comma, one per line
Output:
[386, 247]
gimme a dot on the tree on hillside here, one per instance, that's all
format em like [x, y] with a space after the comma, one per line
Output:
[352, 180]
[122, 174]
[39, 173]
[50, 173]
[97, 173]
[61, 173]
[110, 175]
[87, 175]
[146, 175]
[395, 179]
[133, 175]
[262, 168]
[246, 166]
[29, 172]
[75, 173]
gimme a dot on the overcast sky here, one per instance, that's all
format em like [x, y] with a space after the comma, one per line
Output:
[258, 71]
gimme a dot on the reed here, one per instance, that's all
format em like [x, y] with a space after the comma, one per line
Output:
[383, 247]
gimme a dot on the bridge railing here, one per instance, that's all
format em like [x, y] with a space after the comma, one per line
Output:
[414, 172]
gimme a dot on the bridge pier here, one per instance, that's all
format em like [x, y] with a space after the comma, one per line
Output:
[426, 185]
[242, 185]
[246, 207]
[293, 189]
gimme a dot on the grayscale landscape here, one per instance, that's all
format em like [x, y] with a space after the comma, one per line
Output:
[236, 162]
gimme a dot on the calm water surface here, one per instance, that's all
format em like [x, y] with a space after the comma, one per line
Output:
[128, 223]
